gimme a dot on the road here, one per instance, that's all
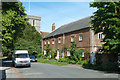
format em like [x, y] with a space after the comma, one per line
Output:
[41, 70]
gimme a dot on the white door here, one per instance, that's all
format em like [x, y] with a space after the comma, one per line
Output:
[44, 52]
[68, 53]
[57, 54]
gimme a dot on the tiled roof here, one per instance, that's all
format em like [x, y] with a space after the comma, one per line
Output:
[44, 34]
[77, 25]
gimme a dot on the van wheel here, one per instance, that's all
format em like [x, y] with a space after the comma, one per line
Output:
[12, 64]
[29, 66]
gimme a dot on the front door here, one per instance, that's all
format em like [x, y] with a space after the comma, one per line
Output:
[44, 52]
[57, 54]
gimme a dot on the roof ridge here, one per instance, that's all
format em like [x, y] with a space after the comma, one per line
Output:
[70, 23]
[76, 21]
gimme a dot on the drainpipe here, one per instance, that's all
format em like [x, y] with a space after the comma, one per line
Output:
[63, 42]
[63, 38]
[42, 45]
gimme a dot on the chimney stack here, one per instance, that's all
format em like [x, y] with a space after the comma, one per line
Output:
[53, 26]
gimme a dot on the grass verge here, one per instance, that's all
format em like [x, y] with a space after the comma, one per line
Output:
[51, 62]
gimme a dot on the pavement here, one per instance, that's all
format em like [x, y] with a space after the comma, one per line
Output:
[42, 70]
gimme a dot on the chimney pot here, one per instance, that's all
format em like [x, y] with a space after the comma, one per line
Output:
[53, 26]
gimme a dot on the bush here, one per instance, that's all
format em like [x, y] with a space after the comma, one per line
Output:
[53, 54]
[77, 56]
[63, 59]
[44, 57]
[85, 62]
[40, 55]
[72, 62]
[110, 66]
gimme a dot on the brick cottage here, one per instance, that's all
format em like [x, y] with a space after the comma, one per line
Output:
[79, 31]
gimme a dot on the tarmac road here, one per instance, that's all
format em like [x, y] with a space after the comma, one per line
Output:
[41, 70]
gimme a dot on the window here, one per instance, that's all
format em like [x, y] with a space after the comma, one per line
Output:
[59, 41]
[48, 41]
[80, 37]
[72, 38]
[53, 42]
[100, 36]
[45, 41]
[83, 54]
[68, 53]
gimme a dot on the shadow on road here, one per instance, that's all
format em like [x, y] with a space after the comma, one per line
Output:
[2, 75]
[117, 71]
[6, 63]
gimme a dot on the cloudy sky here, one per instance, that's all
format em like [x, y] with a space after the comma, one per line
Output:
[59, 13]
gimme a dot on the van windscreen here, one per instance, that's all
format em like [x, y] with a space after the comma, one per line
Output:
[21, 55]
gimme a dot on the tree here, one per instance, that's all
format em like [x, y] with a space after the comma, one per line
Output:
[30, 40]
[107, 20]
[72, 48]
[13, 23]
[48, 49]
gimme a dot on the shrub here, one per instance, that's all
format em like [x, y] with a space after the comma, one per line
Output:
[40, 55]
[53, 54]
[48, 50]
[64, 59]
[110, 66]
[85, 62]
[73, 48]
[77, 56]
[72, 62]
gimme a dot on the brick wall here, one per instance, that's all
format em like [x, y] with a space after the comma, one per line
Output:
[90, 41]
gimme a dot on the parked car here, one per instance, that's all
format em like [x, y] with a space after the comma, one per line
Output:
[119, 61]
[33, 59]
[21, 58]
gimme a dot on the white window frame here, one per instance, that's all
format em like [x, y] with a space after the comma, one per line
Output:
[80, 37]
[59, 41]
[44, 52]
[72, 38]
[100, 36]
[83, 54]
[48, 41]
[68, 52]
[53, 41]
[45, 42]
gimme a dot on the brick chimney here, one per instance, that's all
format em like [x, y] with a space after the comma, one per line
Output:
[53, 26]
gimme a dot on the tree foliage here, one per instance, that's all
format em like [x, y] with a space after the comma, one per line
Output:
[72, 48]
[48, 50]
[13, 23]
[30, 40]
[107, 20]
[17, 33]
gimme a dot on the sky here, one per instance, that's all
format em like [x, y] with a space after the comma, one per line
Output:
[59, 13]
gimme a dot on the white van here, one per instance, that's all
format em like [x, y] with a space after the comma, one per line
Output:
[21, 58]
